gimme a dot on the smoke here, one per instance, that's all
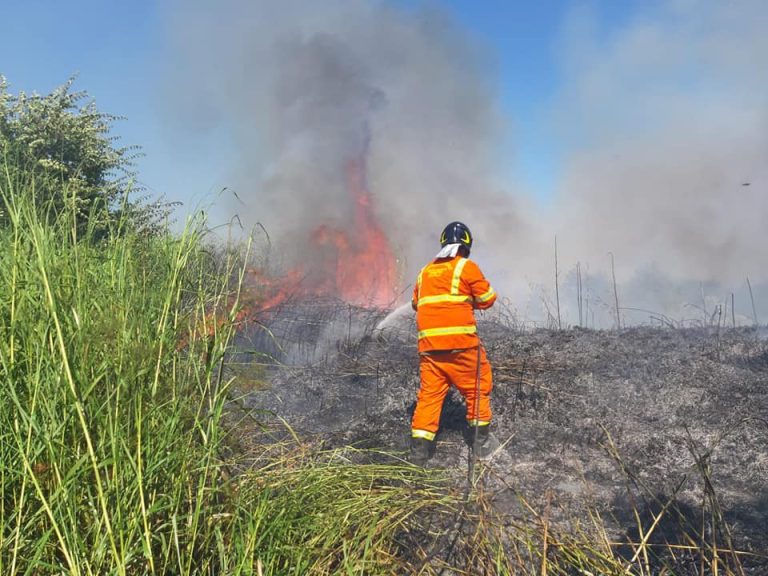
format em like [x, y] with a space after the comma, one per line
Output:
[663, 123]
[670, 124]
[304, 87]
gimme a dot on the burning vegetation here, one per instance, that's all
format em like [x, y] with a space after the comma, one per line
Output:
[354, 264]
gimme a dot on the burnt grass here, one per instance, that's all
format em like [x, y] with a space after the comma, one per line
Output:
[619, 425]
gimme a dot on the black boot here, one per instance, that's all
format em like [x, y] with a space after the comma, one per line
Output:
[484, 443]
[420, 451]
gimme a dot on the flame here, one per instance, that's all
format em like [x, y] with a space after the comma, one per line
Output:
[262, 292]
[364, 269]
[356, 265]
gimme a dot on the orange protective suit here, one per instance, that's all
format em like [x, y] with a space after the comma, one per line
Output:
[447, 292]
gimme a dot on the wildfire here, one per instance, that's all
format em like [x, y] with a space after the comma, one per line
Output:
[355, 264]
[364, 268]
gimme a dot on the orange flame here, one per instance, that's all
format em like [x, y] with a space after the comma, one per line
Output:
[365, 268]
[356, 265]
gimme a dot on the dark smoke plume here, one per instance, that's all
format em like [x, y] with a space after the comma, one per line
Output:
[303, 86]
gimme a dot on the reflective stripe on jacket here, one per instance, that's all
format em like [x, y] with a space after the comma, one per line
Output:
[447, 291]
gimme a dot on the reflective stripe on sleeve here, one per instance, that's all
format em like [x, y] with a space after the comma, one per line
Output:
[418, 283]
[443, 298]
[422, 434]
[485, 297]
[457, 275]
[448, 331]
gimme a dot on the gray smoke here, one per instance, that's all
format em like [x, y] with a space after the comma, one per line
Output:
[666, 125]
[672, 120]
[663, 123]
[306, 86]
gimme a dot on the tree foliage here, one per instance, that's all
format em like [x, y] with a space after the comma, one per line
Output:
[62, 143]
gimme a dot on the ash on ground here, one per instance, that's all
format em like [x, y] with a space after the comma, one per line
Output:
[590, 422]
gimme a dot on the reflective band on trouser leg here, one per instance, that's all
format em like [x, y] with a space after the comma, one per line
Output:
[423, 434]
[478, 423]
[447, 331]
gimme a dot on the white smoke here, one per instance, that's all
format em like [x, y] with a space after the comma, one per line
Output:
[664, 123]
[670, 123]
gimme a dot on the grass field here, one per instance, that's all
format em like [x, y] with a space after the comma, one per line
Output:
[110, 420]
[112, 434]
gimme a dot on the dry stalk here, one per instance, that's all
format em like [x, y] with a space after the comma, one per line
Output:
[752, 299]
[557, 289]
[545, 537]
[615, 293]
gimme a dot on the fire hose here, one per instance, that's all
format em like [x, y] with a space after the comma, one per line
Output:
[471, 451]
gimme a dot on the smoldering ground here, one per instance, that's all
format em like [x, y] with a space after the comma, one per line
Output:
[648, 432]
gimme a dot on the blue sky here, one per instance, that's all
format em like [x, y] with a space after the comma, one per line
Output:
[635, 122]
[118, 52]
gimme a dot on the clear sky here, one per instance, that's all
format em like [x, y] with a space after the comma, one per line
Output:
[116, 49]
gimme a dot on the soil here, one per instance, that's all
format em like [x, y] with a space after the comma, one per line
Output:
[621, 423]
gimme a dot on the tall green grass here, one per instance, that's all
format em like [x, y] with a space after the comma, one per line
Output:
[111, 431]
[107, 432]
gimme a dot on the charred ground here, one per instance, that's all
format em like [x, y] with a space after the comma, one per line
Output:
[620, 425]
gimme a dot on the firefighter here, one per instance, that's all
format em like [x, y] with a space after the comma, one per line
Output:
[446, 293]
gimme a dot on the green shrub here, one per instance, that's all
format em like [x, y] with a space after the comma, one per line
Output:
[62, 143]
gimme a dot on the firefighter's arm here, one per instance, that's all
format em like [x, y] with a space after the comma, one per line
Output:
[415, 296]
[483, 294]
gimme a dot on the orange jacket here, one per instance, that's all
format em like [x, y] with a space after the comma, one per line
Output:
[445, 295]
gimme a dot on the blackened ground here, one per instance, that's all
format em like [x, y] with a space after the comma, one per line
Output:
[605, 422]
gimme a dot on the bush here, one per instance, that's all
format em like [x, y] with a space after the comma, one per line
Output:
[62, 143]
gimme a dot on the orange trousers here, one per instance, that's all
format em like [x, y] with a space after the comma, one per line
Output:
[438, 372]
